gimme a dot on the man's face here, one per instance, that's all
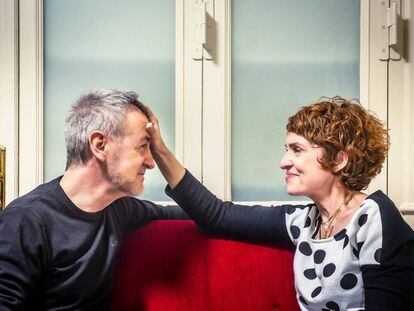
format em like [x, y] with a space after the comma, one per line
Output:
[129, 155]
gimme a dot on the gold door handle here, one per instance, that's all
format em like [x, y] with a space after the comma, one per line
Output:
[2, 177]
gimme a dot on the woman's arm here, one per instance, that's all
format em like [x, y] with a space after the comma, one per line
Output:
[211, 213]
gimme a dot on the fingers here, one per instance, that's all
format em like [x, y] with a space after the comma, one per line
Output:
[150, 115]
[152, 126]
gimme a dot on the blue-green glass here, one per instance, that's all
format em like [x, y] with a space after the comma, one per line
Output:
[126, 45]
[285, 54]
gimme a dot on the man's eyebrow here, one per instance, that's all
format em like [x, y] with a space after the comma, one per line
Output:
[145, 139]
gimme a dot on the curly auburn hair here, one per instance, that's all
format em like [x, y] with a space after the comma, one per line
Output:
[336, 124]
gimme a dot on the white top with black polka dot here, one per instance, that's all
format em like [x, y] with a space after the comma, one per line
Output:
[328, 271]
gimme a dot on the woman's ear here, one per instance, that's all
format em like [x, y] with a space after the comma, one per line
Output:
[341, 161]
[97, 143]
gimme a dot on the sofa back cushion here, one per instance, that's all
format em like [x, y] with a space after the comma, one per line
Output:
[173, 265]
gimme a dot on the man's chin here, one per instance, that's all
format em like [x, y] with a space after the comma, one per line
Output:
[132, 189]
[136, 192]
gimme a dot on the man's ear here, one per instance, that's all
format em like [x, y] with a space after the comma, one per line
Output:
[97, 143]
[341, 161]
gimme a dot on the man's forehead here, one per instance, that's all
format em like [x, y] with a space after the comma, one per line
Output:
[135, 124]
[137, 116]
[138, 110]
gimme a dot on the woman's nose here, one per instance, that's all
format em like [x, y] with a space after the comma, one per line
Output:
[286, 161]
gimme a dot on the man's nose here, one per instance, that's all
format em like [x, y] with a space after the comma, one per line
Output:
[149, 160]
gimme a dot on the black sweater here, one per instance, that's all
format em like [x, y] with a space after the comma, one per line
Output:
[54, 256]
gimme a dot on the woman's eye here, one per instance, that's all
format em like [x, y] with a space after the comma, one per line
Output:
[297, 150]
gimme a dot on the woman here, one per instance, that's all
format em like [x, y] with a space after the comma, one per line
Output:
[354, 252]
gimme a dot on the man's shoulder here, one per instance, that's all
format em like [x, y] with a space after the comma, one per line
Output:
[130, 201]
[33, 201]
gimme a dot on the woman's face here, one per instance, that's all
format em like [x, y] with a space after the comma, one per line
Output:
[304, 174]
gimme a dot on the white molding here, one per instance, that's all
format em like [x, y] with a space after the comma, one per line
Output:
[364, 53]
[217, 105]
[406, 207]
[179, 80]
[401, 119]
[272, 203]
[227, 157]
[9, 110]
[189, 91]
[31, 95]
[377, 89]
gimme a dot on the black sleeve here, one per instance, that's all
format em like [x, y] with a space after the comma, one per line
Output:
[212, 214]
[136, 213]
[389, 285]
[23, 255]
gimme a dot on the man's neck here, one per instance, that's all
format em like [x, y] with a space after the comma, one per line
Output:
[88, 188]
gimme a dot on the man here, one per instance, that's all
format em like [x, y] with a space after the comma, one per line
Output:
[59, 242]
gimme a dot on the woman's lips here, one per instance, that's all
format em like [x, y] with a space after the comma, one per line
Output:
[289, 176]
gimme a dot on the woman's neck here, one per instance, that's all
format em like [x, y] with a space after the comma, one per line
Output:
[337, 208]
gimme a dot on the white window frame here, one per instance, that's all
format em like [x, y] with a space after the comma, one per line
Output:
[203, 99]
[217, 97]
[401, 120]
[9, 111]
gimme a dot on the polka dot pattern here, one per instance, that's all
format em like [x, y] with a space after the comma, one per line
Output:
[303, 300]
[316, 291]
[305, 248]
[319, 256]
[310, 274]
[362, 219]
[348, 281]
[291, 210]
[308, 222]
[329, 269]
[295, 231]
[340, 235]
[356, 252]
[377, 255]
[331, 305]
[346, 241]
[324, 279]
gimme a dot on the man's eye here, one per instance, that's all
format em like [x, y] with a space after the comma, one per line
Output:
[297, 150]
[143, 147]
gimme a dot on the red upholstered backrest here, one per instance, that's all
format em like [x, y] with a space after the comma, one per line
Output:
[173, 265]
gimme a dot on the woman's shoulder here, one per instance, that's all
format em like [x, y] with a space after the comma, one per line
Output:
[301, 220]
[379, 202]
[378, 221]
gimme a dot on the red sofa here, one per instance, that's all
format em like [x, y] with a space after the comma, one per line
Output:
[173, 265]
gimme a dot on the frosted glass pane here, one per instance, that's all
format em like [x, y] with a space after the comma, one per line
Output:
[285, 54]
[126, 45]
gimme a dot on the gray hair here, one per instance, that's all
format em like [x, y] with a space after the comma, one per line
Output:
[97, 110]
